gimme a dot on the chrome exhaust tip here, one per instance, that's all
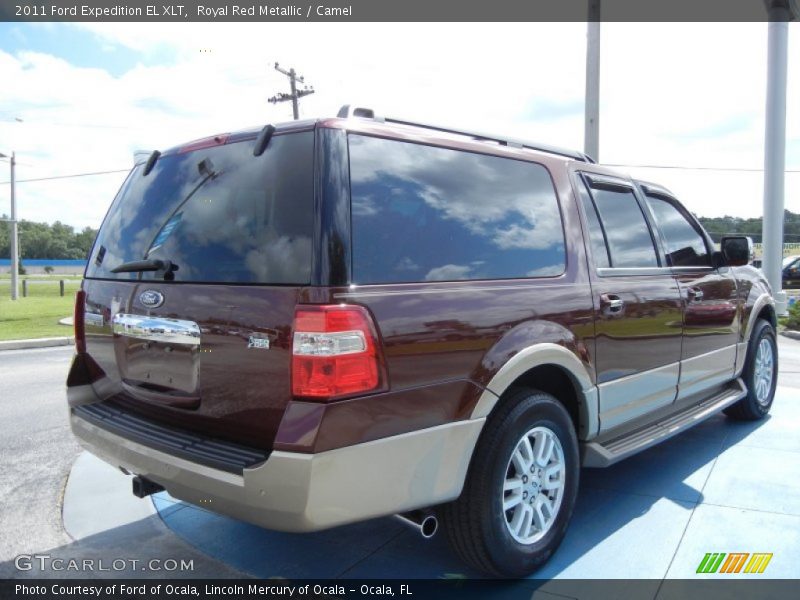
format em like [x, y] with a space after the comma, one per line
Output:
[423, 522]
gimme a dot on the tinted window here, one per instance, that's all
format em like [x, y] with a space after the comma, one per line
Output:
[596, 237]
[431, 214]
[236, 218]
[685, 246]
[629, 240]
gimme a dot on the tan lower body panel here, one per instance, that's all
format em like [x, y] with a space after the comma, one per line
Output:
[309, 492]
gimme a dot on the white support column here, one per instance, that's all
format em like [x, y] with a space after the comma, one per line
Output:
[775, 150]
[591, 134]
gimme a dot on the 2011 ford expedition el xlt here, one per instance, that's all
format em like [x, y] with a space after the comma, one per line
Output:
[326, 321]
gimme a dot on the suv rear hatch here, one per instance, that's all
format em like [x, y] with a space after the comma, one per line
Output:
[197, 336]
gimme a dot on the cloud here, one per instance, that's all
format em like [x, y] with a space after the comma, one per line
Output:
[547, 271]
[448, 273]
[671, 95]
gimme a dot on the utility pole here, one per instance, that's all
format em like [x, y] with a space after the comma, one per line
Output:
[295, 94]
[14, 241]
[591, 131]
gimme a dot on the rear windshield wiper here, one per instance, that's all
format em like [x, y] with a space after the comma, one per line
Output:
[206, 168]
[137, 266]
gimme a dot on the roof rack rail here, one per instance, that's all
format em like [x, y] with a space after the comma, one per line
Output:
[348, 111]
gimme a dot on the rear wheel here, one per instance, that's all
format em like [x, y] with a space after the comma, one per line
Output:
[521, 488]
[760, 374]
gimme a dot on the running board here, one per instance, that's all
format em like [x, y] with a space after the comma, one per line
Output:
[604, 454]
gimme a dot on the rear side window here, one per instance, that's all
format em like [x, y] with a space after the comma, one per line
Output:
[685, 245]
[630, 244]
[422, 213]
[220, 214]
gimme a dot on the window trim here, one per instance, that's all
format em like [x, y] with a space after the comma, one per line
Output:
[582, 182]
[631, 271]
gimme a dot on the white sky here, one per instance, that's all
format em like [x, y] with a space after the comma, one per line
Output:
[671, 94]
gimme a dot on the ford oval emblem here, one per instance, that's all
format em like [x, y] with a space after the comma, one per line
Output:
[151, 298]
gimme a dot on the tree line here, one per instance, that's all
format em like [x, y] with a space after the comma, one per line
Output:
[42, 240]
[60, 241]
[719, 226]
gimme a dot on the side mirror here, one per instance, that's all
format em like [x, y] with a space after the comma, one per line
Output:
[737, 250]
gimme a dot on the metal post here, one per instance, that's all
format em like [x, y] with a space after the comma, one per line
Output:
[775, 150]
[591, 135]
[24, 288]
[293, 86]
[14, 235]
[61, 287]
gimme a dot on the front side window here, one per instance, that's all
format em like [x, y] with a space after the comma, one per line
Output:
[630, 244]
[685, 245]
[422, 213]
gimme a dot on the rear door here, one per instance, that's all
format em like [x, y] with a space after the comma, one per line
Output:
[709, 296]
[203, 343]
[637, 304]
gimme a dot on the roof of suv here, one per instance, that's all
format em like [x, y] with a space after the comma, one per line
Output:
[365, 120]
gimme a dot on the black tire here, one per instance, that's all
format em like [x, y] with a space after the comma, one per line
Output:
[476, 524]
[750, 408]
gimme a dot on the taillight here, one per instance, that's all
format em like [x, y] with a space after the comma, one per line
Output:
[335, 352]
[78, 321]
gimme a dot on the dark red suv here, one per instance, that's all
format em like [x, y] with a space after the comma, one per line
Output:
[332, 320]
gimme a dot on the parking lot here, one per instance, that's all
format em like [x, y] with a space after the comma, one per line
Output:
[723, 486]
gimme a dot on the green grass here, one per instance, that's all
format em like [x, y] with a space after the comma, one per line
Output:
[37, 315]
[6, 277]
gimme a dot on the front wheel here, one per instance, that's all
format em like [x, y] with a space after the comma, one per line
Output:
[760, 374]
[520, 490]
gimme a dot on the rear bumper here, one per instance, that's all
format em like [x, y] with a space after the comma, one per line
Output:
[308, 492]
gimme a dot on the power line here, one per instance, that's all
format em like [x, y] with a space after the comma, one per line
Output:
[67, 176]
[73, 175]
[739, 169]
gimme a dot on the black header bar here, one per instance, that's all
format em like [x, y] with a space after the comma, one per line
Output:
[283, 11]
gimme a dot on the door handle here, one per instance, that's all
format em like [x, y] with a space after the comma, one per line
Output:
[612, 304]
[695, 294]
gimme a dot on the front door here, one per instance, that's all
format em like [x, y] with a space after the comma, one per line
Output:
[709, 296]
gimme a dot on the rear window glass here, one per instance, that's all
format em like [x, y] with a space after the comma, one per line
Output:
[220, 214]
[422, 213]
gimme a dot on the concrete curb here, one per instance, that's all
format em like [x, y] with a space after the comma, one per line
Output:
[37, 343]
[793, 335]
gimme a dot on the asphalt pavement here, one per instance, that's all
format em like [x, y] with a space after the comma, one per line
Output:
[37, 452]
[789, 362]
[36, 449]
